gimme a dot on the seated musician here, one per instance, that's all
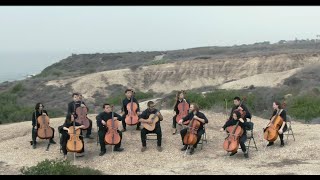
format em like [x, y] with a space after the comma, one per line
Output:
[72, 107]
[238, 104]
[65, 136]
[277, 108]
[35, 125]
[180, 98]
[144, 118]
[194, 113]
[236, 116]
[102, 119]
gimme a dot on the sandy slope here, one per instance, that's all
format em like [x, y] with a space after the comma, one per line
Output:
[297, 157]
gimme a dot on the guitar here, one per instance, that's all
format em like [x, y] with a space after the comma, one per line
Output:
[154, 119]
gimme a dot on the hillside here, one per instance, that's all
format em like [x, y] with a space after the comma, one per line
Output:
[297, 157]
[274, 68]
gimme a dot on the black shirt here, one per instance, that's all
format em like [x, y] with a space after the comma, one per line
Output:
[146, 113]
[248, 115]
[233, 122]
[200, 115]
[106, 116]
[125, 102]
[176, 106]
[72, 106]
[35, 116]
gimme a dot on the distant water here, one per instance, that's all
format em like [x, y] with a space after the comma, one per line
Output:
[17, 66]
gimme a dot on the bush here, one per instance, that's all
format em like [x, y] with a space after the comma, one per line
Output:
[304, 107]
[58, 167]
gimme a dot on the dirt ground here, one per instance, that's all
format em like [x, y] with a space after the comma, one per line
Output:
[296, 157]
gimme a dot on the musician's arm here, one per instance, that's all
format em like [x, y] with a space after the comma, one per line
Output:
[160, 116]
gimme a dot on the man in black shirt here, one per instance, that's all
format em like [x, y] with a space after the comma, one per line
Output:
[102, 119]
[239, 105]
[198, 116]
[144, 118]
[124, 110]
[72, 106]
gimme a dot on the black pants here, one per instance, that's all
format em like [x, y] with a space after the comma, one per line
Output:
[144, 133]
[102, 134]
[184, 131]
[35, 134]
[174, 122]
[124, 125]
[242, 140]
[64, 139]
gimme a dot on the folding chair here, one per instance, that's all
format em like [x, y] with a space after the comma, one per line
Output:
[151, 136]
[250, 136]
[289, 128]
[203, 137]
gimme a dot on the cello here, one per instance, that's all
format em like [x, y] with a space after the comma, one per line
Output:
[112, 136]
[231, 143]
[82, 116]
[132, 116]
[271, 132]
[191, 137]
[44, 130]
[74, 143]
[183, 111]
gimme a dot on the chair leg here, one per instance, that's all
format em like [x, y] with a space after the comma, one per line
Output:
[255, 143]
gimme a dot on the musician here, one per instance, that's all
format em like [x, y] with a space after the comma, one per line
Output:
[179, 99]
[39, 110]
[102, 119]
[72, 106]
[144, 118]
[199, 116]
[239, 105]
[236, 116]
[124, 110]
[277, 108]
[65, 136]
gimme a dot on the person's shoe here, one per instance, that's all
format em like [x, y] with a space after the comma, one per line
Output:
[123, 130]
[246, 155]
[282, 144]
[118, 149]
[184, 148]
[159, 148]
[138, 128]
[52, 141]
[102, 153]
[191, 150]
[144, 148]
[174, 131]
[65, 157]
[270, 143]
[89, 137]
[34, 146]
[233, 153]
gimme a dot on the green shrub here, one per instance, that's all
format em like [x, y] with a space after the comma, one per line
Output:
[58, 167]
[305, 107]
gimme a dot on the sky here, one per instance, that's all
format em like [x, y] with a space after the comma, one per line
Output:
[33, 37]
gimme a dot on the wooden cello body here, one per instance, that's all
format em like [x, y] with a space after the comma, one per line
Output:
[44, 131]
[271, 133]
[231, 143]
[82, 116]
[74, 143]
[183, 111]
[112, 136]
[132, 116]
[191, 137]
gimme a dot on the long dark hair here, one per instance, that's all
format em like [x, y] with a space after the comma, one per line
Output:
[177, 96]
[38, 106]
[278, 104]
[237, 113]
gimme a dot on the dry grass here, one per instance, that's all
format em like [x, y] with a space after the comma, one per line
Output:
[297, 157]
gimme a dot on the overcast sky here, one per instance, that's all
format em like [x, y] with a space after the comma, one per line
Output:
[56, 32]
